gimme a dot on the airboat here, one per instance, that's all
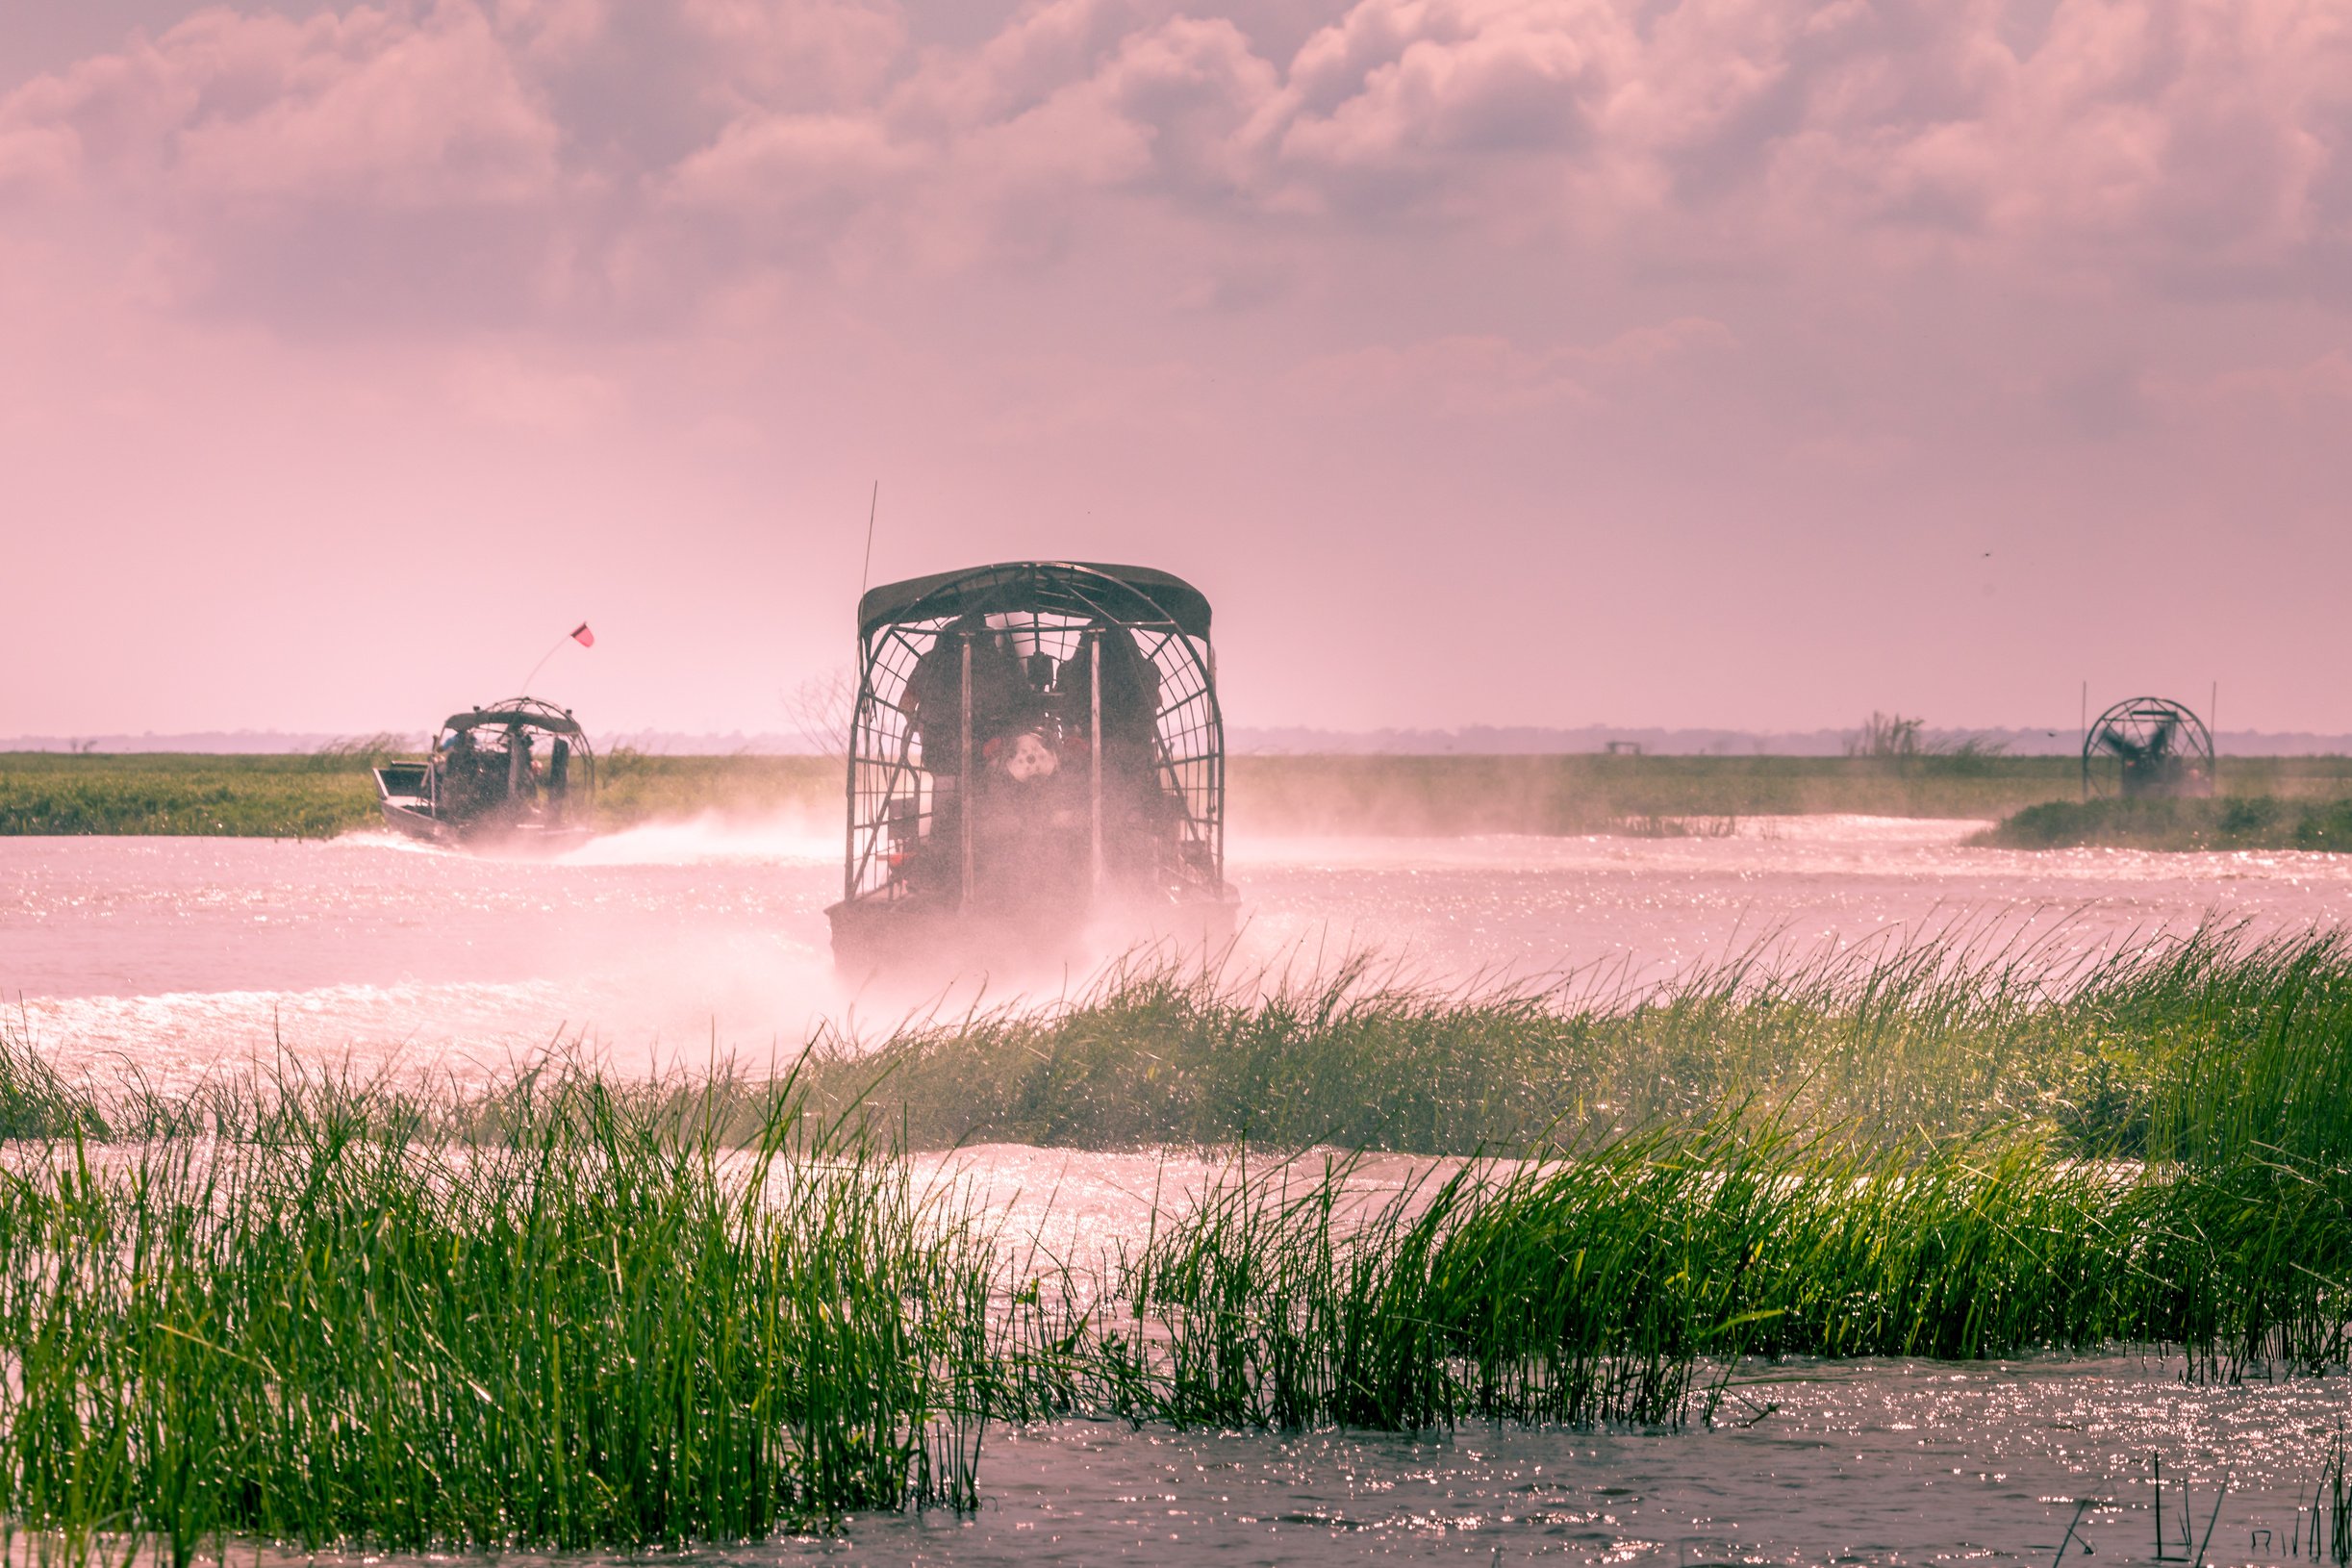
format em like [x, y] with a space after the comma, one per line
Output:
[1036, 768]
[517, 774]
[2147, 747]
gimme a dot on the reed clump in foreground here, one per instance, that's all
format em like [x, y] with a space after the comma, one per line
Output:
[572, 1312]
[1628, 1283]
[603, 1326]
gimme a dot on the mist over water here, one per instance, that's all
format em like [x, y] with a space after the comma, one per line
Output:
[667, 943]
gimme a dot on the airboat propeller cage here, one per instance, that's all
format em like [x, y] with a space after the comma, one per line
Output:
[527, 711]
[1115, 660]
[2147, 747]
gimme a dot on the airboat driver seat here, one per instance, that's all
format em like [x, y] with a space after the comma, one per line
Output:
[1036, 760]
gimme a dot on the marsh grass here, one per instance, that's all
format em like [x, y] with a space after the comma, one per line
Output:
[1629, 1281]
[328, 791]
[603, 1328]
[319, 795]
[572, 1312]
[253, 797]
[2232, 822]
[1949, 1033]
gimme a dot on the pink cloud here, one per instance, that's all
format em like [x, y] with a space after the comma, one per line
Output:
[2195, 143]
[2316, 390]
[403, 107]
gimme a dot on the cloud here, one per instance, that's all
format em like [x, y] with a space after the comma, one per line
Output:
[1482, 377]
[2316, 390]
[560, 156]
[391, 110]
[1404, 96]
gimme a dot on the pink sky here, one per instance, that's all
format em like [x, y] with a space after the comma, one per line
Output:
[1751, 362]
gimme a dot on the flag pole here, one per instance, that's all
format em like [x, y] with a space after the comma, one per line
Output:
[524, 689]
[866, 572]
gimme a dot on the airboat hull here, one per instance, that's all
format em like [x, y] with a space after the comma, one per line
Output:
[411, 814]
[505, 839]
[417, 824]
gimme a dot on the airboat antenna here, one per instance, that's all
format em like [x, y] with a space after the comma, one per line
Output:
[864, 574]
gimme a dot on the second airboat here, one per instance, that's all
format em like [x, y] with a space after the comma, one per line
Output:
[516, 775]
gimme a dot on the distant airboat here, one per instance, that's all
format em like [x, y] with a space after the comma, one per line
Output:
[2147, 747]
[517, 774]
[1036, 749]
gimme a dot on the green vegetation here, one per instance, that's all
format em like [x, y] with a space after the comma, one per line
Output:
[637, 786]
[599, 1327]
[2233, 822]
[567, 1311]
[1913, 1153]
[1945, 1037]
[325, 794]
[319, 795]
[246, 796]
[1442, 795]
[1626, 1283]
[1584, 793]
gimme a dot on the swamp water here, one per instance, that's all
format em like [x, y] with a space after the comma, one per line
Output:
[184, 957]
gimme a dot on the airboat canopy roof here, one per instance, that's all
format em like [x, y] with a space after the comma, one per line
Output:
[535, 716]
[1129, 595]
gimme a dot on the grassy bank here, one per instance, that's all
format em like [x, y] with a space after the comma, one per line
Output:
[568, 1311]
[1442, 795]
[314, 797]
[2245, 821]
[244, 796]
[1563, 794]
[322, 795]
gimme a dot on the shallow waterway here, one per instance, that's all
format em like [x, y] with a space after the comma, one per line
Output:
[669, 941]
[187, 956]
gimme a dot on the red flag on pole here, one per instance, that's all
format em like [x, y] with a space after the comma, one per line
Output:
[581, 635]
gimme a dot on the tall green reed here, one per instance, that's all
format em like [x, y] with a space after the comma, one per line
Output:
[1957, 1031]
[1626, 1282]
[608, 1327]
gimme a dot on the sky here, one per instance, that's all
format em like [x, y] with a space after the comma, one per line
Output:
[1741, 363]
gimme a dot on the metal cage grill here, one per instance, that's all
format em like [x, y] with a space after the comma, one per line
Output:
[922, 721]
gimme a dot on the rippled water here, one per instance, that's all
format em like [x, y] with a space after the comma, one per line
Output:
[1878, 1462]
[187, 954]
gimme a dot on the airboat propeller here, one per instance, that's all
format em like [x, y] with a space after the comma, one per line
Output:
[2147, 747]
